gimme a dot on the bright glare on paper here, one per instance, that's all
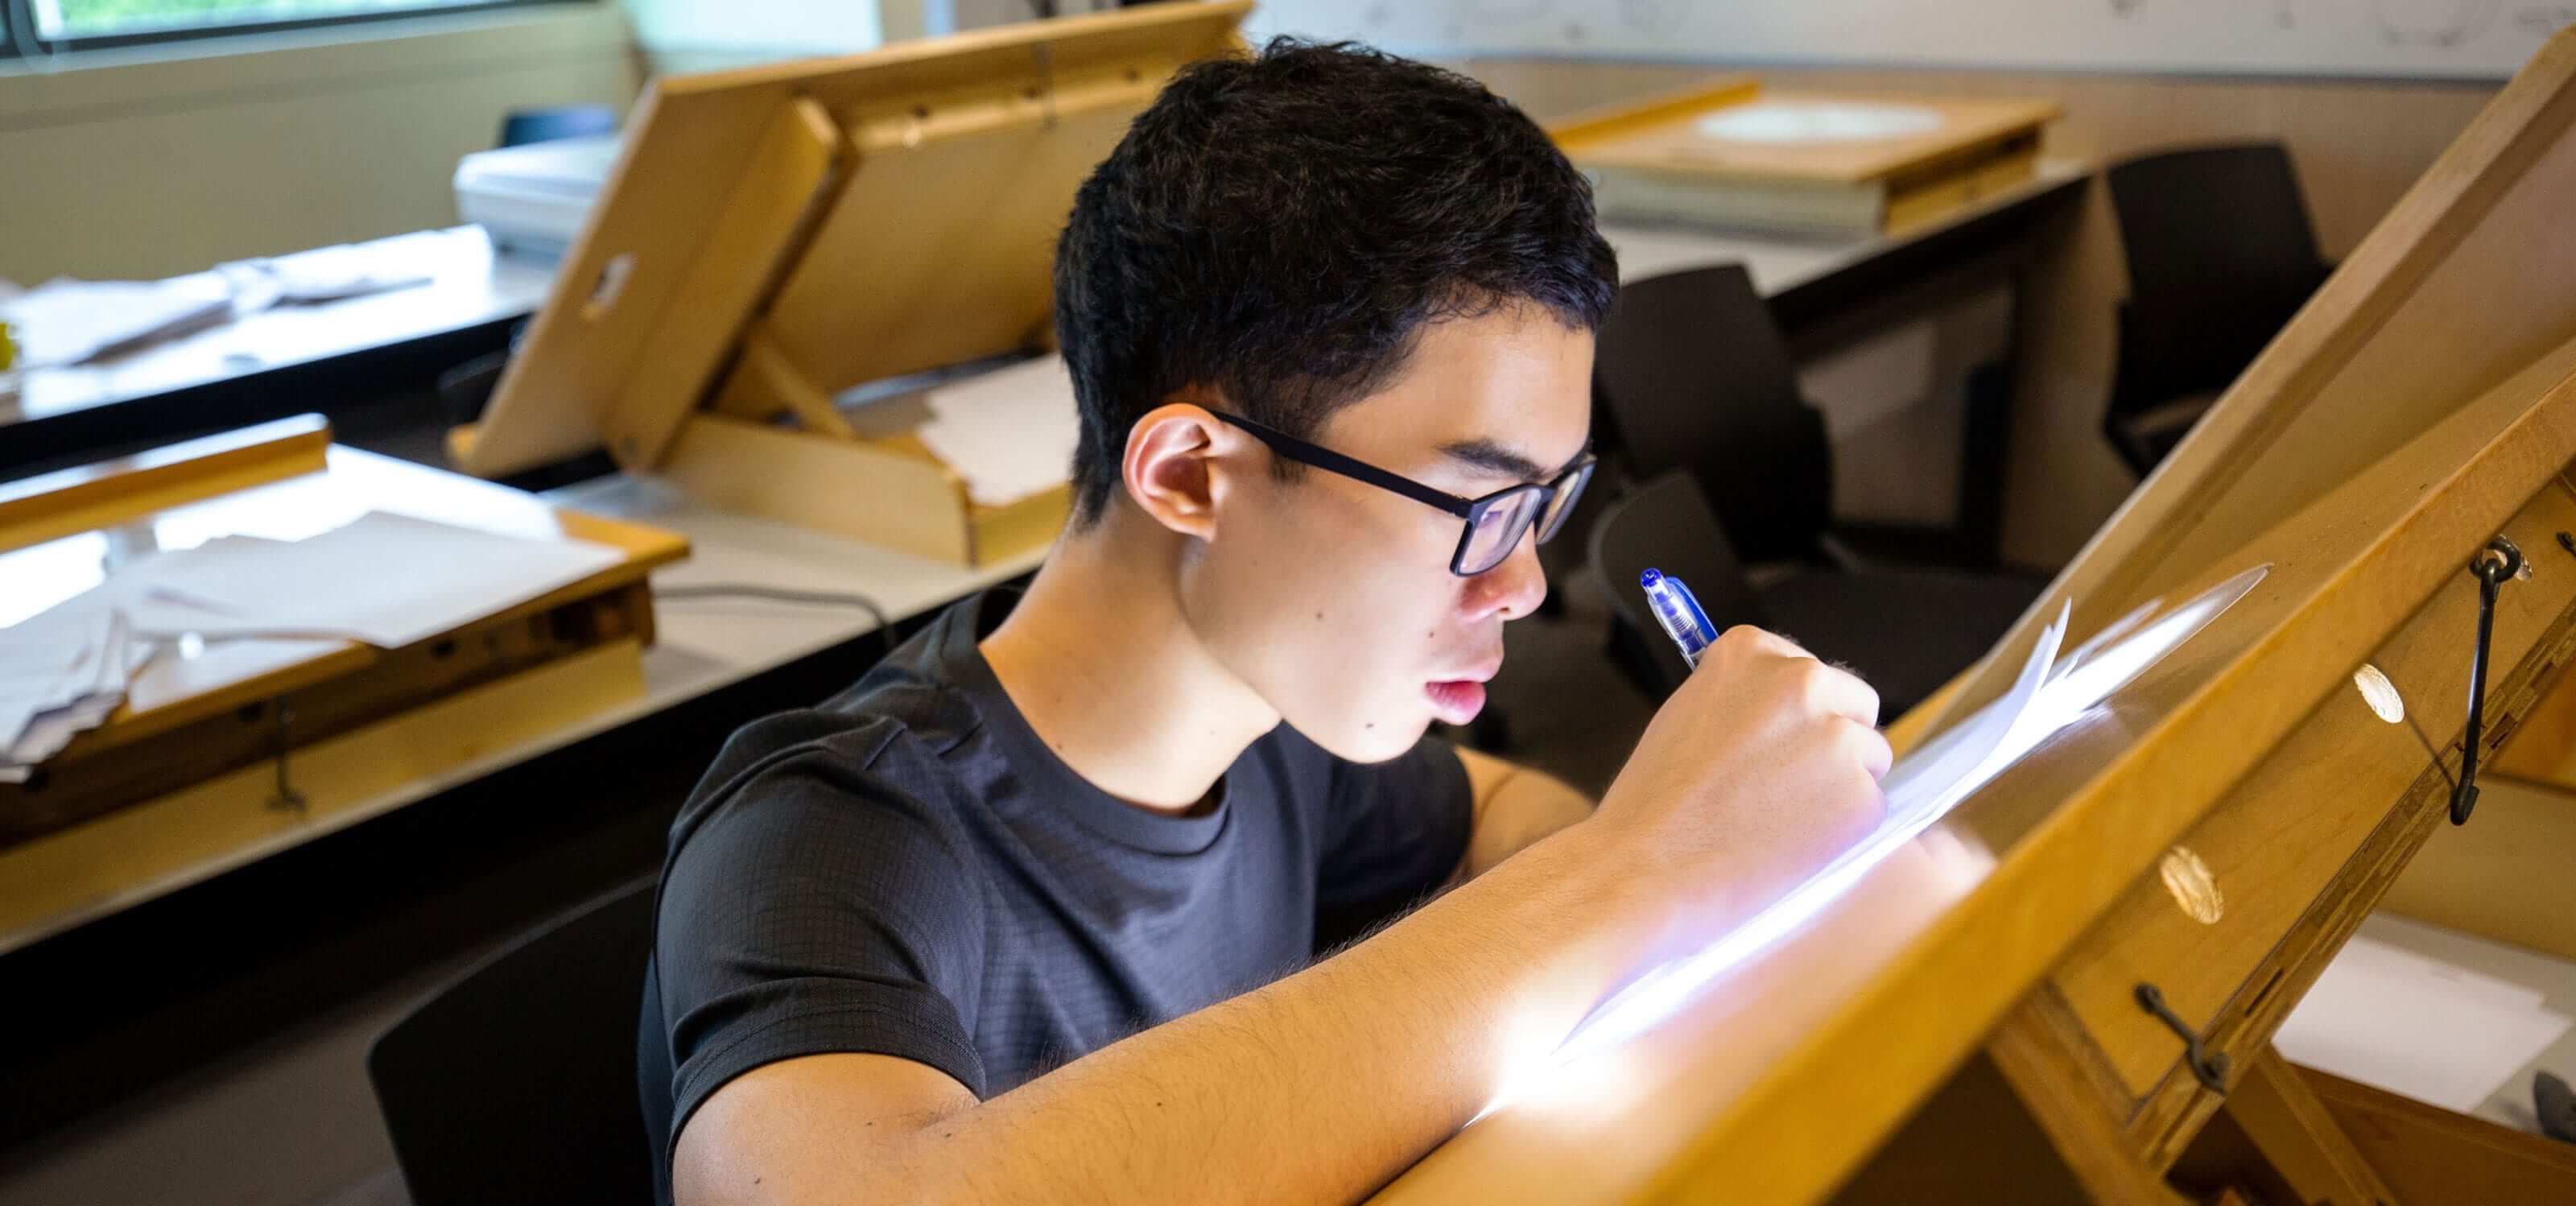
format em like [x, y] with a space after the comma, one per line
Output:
[2050, 693]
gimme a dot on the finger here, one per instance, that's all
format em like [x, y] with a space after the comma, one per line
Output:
[1841, 693]
[1760, 640]
[1871, 747]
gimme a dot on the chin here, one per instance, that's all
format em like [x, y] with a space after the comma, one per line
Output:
[1371, 740]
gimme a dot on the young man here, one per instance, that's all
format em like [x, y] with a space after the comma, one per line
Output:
[1029, 914]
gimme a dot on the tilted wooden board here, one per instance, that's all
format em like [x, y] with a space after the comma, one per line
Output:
[864, 211]
[2420, 402]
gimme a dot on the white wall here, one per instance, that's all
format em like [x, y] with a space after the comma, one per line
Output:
[153, 163]
[697, 35]
[2443, 39]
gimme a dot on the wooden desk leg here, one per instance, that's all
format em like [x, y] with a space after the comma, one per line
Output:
[2296, 1135]
[2048, 1075]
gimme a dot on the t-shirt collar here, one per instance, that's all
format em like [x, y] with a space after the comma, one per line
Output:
[1059, 784]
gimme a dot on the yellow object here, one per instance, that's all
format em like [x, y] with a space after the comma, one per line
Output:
[1737, 154]
[8, 350]
[286, 471]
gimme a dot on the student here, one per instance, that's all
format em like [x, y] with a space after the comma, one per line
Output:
[1029, 914]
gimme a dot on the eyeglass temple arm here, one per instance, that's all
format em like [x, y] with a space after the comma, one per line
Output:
[1325, 458]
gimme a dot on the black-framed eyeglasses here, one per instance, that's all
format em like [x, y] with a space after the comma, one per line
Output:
[1494, 522]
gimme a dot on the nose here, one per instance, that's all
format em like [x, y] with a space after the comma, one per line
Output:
[1512, 589]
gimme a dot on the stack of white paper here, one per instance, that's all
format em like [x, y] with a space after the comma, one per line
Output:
[1010, 433]
[2416, 1026]
[385, 579]
[63, 322]
[62, 672]
[322, 275]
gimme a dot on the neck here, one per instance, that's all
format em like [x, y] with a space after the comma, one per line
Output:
[1101, 662]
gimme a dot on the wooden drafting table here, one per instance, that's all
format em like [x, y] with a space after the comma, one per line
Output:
[222, 747]
[1967, 1021]
[701, 646]
[772, 237]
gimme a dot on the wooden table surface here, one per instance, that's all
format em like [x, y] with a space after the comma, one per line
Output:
[703, 645]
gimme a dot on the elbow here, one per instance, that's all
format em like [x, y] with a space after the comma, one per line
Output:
[910, 1169]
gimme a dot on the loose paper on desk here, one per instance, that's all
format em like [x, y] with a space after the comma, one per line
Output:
[65, 322]
[323, 274]
[384, 578]
[62, 671]
[2416, 1026]
[1010, 432]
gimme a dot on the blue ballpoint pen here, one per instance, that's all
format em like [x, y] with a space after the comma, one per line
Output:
[1679, 613]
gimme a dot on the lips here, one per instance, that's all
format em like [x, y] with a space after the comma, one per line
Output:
[1456, 700]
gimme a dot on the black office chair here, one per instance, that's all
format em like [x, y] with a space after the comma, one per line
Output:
[520, 127]
[516, 1082]
[2221, 255]
[1904, 631]
[1691, 373]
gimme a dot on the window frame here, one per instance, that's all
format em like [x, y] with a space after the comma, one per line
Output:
[19, 39]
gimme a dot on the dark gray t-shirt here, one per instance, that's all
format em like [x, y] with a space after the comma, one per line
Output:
[908, 870]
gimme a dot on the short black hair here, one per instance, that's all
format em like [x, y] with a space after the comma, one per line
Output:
[1281, 227]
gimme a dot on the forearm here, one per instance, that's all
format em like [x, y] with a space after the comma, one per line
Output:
[1515, 808]
[1320, 1086]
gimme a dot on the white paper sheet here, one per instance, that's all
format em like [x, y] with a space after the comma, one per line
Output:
[1010, 432]
[2049, 693]
[1918, 791]
[321, 275]
[2416, 1026]
[66, 321]
[385, 579]
[63, 671]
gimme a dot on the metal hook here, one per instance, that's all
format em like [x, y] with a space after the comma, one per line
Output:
[2493, 565]
[1046, 81]
[287, 798]
[2210, 1069]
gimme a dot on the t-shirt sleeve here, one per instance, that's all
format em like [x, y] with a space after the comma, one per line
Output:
[1395, 831]
[821, 909]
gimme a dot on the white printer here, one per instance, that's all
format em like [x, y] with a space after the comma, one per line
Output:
[532, 198]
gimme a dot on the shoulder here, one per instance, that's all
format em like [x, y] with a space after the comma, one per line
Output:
[858, 786]
[875, 748]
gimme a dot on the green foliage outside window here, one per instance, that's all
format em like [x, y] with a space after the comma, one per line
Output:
[94, 18]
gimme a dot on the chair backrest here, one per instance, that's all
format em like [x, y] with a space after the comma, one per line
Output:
[2221, 254]
[516, 1082]
[1667, 525]
[1692, 373]
[520, 127]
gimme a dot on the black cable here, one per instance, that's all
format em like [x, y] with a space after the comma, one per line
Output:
[780, 594]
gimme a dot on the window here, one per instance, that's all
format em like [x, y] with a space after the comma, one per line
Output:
[32, 27]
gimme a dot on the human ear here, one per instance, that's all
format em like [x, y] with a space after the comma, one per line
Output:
[1180, 462]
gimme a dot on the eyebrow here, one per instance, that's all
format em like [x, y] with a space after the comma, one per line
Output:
[1504, 461]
